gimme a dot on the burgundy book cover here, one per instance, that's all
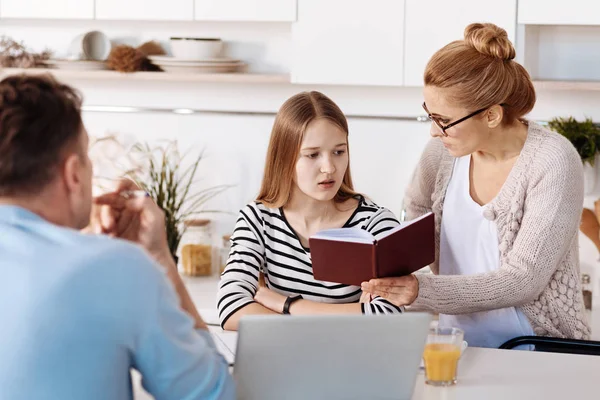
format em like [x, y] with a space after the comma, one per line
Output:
[401, 253]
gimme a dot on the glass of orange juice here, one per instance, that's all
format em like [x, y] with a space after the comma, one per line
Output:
[441, 355]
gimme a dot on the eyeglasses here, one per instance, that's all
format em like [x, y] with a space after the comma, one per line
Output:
[450, 125]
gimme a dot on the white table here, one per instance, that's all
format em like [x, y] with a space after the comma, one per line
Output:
[500, 374]
[226, 342]
[483, 373]
[492, 374]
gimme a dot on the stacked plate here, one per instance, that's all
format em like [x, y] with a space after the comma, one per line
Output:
[80, 65]
[213, 65]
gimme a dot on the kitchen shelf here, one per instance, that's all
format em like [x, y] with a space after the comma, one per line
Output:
[105, 75]
[567, 85]
[235, 77]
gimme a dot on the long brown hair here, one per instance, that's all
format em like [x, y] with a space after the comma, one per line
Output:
[284, 146]
[481, 71]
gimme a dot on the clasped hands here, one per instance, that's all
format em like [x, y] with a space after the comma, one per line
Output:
[138, 220]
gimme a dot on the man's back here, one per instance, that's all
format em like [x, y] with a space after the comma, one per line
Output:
[78, 311]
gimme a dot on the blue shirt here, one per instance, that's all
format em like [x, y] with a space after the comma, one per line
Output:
[79, 311]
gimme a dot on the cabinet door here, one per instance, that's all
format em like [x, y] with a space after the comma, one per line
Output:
[431, 24]
[559, 12]
[151, 10]
[50, 9]
[245, 10]
[348, 42]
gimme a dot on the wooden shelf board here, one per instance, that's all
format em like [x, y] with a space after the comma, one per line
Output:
[236, 77]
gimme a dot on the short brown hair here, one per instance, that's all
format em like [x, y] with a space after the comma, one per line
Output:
[284, 146]
[39, 119]
[482, 72]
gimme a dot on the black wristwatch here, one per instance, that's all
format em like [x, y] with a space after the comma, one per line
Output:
[289, 301]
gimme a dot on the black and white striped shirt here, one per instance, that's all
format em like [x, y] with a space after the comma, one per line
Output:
[264, 240]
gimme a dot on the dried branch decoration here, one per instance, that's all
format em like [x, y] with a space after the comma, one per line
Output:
[15, 55]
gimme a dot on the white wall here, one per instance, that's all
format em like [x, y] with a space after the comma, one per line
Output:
[562, 52]
[383, 153]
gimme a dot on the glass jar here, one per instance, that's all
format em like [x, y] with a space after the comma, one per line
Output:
[225, 249]
[196, 248]
[586, 290]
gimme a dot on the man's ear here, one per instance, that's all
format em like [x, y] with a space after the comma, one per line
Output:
[494, 116]
[72, 173]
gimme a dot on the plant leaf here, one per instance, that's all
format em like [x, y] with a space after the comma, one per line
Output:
[170, 187]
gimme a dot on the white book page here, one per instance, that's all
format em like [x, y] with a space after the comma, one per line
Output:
[404, 225]
[355, 235]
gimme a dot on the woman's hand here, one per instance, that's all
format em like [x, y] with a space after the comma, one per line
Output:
[270, 299]
[401, 291]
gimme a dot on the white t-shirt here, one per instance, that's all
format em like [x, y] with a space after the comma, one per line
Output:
[469, 246]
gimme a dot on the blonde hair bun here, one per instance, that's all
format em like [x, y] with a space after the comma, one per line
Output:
[490, 40]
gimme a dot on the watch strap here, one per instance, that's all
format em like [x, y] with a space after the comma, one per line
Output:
[289, 301]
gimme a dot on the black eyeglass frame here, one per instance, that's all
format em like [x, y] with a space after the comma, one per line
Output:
[450, 125]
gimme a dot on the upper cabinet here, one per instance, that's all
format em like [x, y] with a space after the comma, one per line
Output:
[431, 24]
[49, 9]
[150, 10]
[348, 42]
[245, 10]
[559, 12]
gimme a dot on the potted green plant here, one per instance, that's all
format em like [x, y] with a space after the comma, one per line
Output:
[585, 136]
[162, 174]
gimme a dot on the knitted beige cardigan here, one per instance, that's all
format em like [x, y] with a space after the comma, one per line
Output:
[537, 212]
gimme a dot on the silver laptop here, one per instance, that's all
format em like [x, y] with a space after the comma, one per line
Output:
[329, 357]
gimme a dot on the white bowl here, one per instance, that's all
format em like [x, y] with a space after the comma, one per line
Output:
[93, 45]
[187, 48]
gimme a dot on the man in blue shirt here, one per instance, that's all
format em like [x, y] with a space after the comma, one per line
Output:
[78, 311]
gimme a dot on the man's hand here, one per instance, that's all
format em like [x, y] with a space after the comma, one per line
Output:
[139, 220]
[110, 216]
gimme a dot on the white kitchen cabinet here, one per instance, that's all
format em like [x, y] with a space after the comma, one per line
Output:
[348, 42]
[149, 10]
[431, 24]
[245, 10]
[48, 9]
[559, 12]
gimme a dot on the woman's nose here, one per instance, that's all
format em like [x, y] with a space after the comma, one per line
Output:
[327, 167]
[435, 130]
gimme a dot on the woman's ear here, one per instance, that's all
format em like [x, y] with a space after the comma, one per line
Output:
[495, 115]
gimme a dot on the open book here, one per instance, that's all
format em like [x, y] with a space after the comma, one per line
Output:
[353, 255]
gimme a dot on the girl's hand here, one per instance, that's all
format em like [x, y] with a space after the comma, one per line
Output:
[270, 299]
[365, 297]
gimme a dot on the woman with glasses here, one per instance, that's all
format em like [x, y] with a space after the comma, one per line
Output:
[507, 195]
